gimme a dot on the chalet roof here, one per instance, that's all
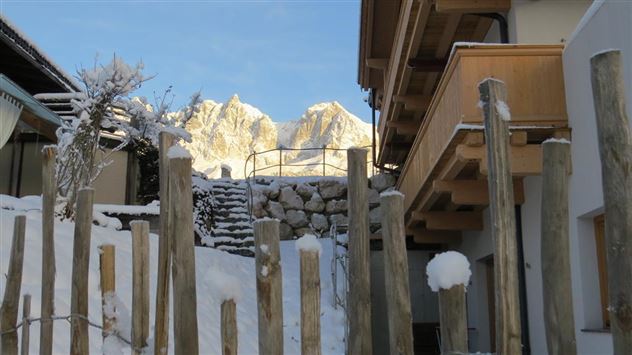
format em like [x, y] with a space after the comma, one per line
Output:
[28, 66]
[29, 102]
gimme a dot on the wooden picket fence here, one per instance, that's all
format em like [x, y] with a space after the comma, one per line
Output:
[176, 258]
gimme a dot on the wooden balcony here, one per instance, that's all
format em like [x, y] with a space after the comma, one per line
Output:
[444, 177]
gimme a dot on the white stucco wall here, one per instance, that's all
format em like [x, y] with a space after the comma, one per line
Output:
[605, 25]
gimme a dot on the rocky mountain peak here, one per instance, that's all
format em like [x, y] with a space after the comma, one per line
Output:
[226, 133]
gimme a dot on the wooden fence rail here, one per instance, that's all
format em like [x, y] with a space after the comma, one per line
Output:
[559, 322]
[508, 333]
[49, 194]
[11, 300]
[615, 150]
[79, 337]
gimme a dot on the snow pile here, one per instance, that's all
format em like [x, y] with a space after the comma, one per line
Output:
[448, 269]
[178, 152]
[557, 140]
[309, 242]
[226, 287]
[219, 276]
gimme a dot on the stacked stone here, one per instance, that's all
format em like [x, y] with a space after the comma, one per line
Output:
[313, 206]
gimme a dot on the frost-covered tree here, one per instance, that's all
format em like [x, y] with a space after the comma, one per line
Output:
[106, 105]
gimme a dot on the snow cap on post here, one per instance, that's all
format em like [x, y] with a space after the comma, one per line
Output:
[448, 269]
[178, 152]
[309, 242]
[226, 286]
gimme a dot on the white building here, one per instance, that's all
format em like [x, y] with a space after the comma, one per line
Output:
[424, 90]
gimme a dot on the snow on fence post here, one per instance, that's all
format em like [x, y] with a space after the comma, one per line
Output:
[161, 325]
[11, 300]
[49, 195]
[555, 253]
[269, 286]
[496, 116]
[79, 336]
[185, 326]
[229, 327]
[26, 324]
[396, 273]
[309, 250]
[449, 273]
[140, 281]
[107, 268]
[615, 150]
[359, 294]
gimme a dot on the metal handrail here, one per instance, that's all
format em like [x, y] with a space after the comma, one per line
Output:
[253, 172]
[324, 164]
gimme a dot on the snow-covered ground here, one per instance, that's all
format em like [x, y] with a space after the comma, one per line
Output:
[209, 264]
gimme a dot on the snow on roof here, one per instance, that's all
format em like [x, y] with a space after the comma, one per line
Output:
[309, 242]
[448, 269]
[29, 47]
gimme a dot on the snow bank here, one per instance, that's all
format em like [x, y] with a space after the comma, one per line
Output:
[309, 242]
[218, 274]
[152, 208]
[448, 269]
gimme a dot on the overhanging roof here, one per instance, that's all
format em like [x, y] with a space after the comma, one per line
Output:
[30, 104]
[27, 65]
[423, 32]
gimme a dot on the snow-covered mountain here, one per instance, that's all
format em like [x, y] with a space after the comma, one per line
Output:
[227, 133]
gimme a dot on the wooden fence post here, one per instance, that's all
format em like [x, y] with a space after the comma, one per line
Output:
[615, 150]
[49, 195]
[26, 324]
[161, 325]
[396, 274]
[508, 332]
[310, 302]
[11, 300]
[185, 326]
[79, 335]
[140, 281]
[359, 294]
[559, 322]
[107, 262]
[229, 327]
[269, 286]
[453, 320]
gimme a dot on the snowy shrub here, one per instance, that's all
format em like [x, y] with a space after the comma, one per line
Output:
[105, 106]
[203, 204]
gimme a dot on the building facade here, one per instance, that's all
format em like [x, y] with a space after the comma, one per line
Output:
[423, 83]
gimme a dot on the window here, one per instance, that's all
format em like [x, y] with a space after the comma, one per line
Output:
[600, 243]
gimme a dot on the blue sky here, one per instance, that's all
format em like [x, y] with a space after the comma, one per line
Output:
[280, 56]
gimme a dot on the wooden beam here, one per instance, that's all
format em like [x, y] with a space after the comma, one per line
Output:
[414, 102]
[472, 6]
[377, 63]
[454, 221]
[405, 128]
[525, 160]
[474, 139]
[473, 192]
[425, 236]
[518, 138]
[400, 146]
[421, 64]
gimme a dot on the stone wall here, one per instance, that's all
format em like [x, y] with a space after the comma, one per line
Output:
[313, 205]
